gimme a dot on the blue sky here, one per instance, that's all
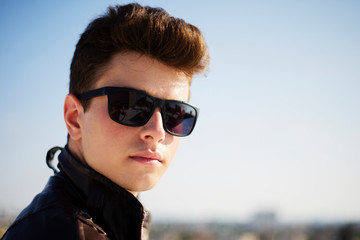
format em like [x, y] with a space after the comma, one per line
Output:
[279, 122]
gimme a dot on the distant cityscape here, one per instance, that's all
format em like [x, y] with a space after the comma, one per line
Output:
[263, 226]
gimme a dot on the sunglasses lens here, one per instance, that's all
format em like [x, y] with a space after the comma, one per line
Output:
[134, 108]
[130, 108]
[180, 118]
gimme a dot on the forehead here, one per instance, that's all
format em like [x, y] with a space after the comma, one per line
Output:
[147, 74]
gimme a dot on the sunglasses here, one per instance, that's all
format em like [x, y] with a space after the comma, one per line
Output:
[131, 107]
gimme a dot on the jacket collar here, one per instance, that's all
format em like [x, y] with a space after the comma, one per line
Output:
[112, 207]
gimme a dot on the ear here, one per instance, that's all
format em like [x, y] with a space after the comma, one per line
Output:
[73, 111]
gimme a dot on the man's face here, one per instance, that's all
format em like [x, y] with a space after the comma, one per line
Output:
[135, 158]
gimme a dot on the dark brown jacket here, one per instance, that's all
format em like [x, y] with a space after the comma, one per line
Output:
[79, 203]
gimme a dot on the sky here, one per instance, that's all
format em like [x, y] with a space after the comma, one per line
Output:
[279, 124]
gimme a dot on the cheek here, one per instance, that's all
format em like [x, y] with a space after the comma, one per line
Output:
[95, 122]
[99, 131]
[172, 146]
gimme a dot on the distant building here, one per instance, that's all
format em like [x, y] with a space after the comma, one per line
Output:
[264, 221]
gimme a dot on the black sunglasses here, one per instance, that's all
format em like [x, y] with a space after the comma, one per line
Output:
[134, 108]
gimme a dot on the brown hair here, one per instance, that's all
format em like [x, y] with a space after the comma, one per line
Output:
[146, 30]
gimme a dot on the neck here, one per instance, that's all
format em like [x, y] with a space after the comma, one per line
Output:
[76, 150]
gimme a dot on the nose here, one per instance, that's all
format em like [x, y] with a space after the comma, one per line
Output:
[153, 130]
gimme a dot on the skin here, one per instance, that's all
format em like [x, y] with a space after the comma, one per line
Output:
[134, 158]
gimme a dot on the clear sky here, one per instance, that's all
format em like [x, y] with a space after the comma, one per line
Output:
[279, 125]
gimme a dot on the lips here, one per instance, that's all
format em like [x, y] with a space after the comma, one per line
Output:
[147, 157]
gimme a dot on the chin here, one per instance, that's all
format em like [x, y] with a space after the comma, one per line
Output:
[142, 187]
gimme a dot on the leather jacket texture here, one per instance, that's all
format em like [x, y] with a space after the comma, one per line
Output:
[79, 203]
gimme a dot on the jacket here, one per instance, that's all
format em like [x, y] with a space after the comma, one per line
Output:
[79, 203]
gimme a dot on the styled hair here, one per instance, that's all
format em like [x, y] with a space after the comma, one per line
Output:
[145, 30]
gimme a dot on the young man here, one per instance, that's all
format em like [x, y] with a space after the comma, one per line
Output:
[125, 113]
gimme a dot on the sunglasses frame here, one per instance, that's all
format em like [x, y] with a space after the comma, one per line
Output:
[158, 102]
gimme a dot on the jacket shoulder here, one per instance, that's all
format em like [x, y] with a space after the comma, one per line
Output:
[49, 216]
[47, 224]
